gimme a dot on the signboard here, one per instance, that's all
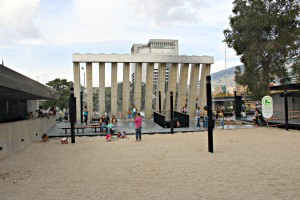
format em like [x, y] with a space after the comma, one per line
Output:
[267, 106]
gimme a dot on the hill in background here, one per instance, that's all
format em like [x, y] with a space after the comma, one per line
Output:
[225, 77]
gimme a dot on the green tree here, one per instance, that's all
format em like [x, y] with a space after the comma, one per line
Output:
[241, 79]
[265, 33]
[62, 88]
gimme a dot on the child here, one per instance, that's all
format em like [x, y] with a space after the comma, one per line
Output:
[124, 134]
[228, 121]
[129, 114]
[221, 117]
[119, 135]
[45, 137]
[178, 124]
[109, 137]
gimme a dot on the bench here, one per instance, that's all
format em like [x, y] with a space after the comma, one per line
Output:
[95, 120]
[77, 128]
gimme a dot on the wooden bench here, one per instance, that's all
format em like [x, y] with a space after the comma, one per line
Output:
[77, 128]
[95, 120]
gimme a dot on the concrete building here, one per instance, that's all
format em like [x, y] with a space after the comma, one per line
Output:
[145, 57]
[18, 96]
[156, 46]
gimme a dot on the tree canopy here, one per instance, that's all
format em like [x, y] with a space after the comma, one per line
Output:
[266, 35]
[62, 88]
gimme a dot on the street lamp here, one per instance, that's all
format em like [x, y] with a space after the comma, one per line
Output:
[83, 84]
[83, 77]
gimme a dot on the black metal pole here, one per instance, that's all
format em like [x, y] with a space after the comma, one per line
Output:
[75, 110]
[286, 111]
[235, 105]
[81, 107]
[210, 115]
[172, 113]
[159, 102]
[72, 104]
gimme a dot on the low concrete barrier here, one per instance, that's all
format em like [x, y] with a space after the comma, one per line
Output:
[15, 136]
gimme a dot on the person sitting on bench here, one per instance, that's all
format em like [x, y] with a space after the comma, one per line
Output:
[110, 127]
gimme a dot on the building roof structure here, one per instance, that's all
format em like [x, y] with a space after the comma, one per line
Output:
[15, 86]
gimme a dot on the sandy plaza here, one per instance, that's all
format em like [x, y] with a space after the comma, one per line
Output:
[254, 163]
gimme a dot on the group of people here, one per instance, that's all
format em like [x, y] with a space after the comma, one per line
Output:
[120, 135]
[109, 123]
[131, 113]
[138, 130]
[217, 115]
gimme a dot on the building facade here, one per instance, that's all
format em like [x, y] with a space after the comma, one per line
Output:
[162, 54]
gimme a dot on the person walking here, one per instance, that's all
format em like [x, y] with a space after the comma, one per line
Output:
[85, 115]
[138, 127]
[134, 111]
[205, 117]
[198, 117]
[221, 117]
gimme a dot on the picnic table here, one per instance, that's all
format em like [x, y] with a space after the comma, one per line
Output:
[95, 126]
[77, 128]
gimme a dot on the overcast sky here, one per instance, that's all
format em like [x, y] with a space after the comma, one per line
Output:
[38, 37]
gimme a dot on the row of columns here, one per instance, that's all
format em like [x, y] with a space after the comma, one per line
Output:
[193, 92]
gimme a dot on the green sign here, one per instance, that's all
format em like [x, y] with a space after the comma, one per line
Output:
[267, 106]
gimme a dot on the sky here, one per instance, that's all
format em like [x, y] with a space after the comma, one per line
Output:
[38, 37]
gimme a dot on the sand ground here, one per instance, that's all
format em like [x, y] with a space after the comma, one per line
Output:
[256, 163]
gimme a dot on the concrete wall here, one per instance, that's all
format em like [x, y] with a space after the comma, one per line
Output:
[12, 134]
[32, 106]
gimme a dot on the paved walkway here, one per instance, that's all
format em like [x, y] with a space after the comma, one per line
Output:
[149, 127]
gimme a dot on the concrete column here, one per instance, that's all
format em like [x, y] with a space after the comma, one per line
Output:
[77, 89]
[184, 70]
[205, 71]
[89, 89]
[126, 87]
[193, 89]
[114, 89]
[149, 91]
[161, 81]
[137, 96]
[172, 84]
[101, 88]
